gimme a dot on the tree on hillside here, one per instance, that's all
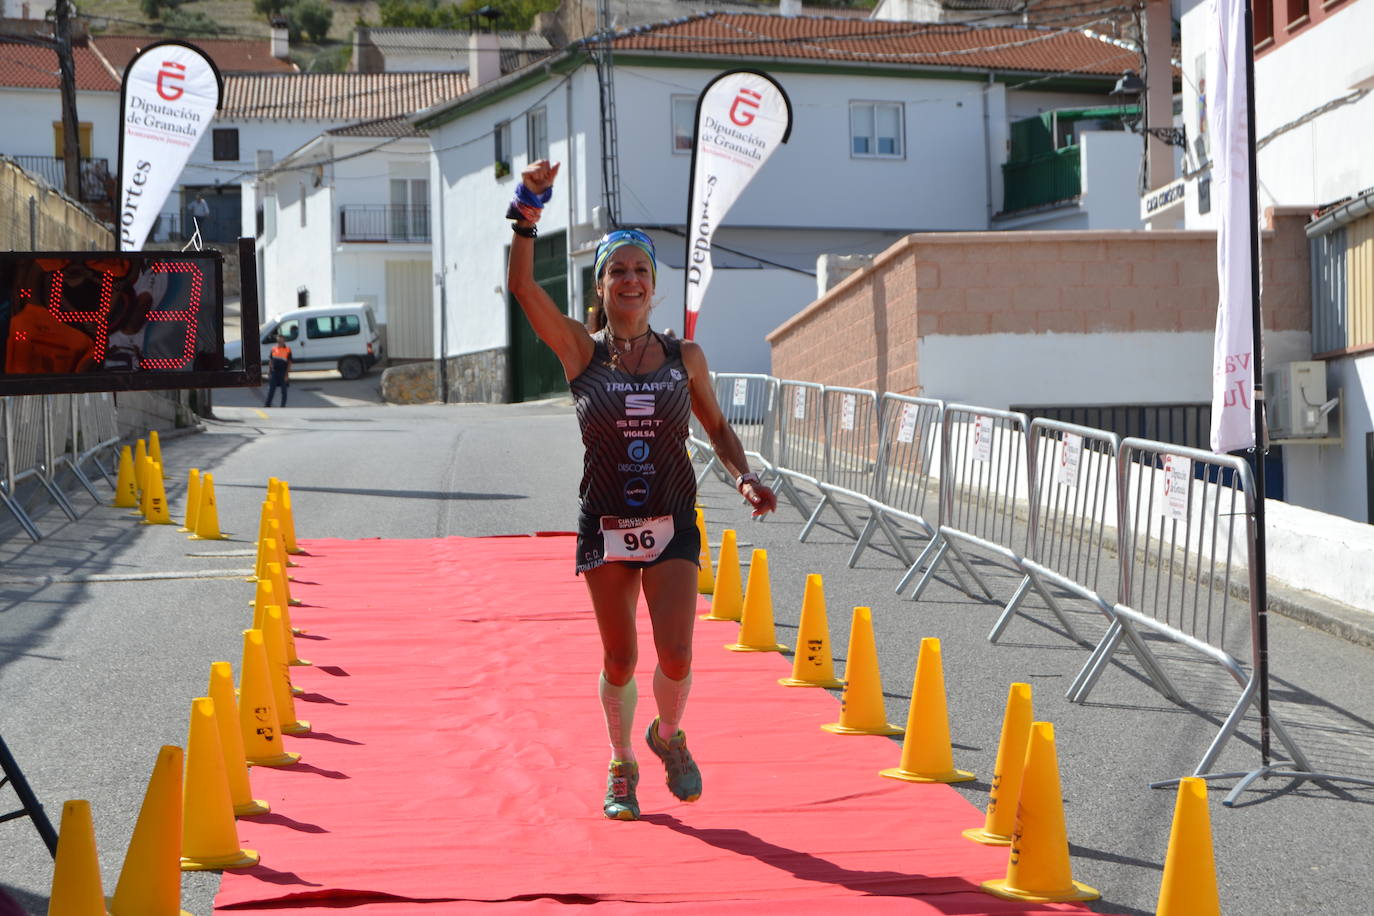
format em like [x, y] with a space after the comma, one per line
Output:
[516, 15]
[314, 18]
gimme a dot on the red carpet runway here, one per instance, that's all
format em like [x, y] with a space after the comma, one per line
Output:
[458, 760]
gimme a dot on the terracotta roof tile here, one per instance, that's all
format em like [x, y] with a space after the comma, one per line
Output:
[398, 126]
[336, 96]
[27, 66]
[231, 55]
[816, 38]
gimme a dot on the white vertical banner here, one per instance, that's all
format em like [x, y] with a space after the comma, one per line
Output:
[742, 116]
[170, 94]
[1233, 420]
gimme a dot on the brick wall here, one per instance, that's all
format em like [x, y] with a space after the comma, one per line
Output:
[863, 333]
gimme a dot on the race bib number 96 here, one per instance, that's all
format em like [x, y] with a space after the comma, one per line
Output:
[640, 539]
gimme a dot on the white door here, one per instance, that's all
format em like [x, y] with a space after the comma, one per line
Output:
[409, 310]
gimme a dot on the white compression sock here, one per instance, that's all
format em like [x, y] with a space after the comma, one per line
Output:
[671, 697]
[619, 705]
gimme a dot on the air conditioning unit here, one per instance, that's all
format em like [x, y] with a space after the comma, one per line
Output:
[1297, 403]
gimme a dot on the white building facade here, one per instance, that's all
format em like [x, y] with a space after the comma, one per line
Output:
[1314, 110]
[878, 149]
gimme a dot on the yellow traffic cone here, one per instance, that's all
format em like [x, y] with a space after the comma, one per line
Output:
[812, 665]
[288, 518]
[76, 889]
[282, 693]
[861, 705]
[145, 489]
[156, 496]
[267, 597]
[756, 632]
[140, 452]
[727, 601]
[926, 752]
[207, 518]
[1189, 887]
[1007, 772]
[258, 721]
[150, 881]
[277, 573]
[262, 556]
[126, 484]
[209, 839]
[192, 499]
[277, 533]
[288, 633]
[155, 451]
[706, 579]
[1038, 866]
[231, 742]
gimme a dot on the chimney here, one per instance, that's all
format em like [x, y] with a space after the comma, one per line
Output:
[789, 7]
[281, 39]
[484, 58]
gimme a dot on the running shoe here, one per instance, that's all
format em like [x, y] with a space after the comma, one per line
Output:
[684, 779]
[621, 782]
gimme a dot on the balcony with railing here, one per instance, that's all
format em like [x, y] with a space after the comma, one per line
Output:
[1045, 165]
[96, 181]
[383, 223]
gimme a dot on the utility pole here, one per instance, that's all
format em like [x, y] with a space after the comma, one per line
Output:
[66, 68]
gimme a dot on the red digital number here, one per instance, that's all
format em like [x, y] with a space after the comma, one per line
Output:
[188, 316]
[100, 319]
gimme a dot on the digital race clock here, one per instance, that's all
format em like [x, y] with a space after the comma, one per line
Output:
[119, 321]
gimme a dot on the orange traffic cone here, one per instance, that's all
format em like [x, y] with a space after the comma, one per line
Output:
[155, 451]
[812, 665]
[756, 632]
[207, 518]
[155, 496]
[192, 499]
[145, 489]
[231, 742]
[1007, 772]
[926, 752]
[861, 706]
[727, 601]
[126, 484]
[140, 452]
[273, 627]
[209, 839]
[258, 720]
[706, 579]
[150, 881]
[1038, 867]
[76, 889]
[288, 517]
[1189, 887]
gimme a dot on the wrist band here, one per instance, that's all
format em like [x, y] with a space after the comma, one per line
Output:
[527, 232]
[746, 477]
[527, 197]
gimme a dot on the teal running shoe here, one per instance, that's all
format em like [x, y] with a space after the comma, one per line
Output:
[684, 779]
[621, 782]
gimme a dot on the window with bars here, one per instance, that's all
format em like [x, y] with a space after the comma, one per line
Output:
[875, 130]
[1343, 289]
[537, 134]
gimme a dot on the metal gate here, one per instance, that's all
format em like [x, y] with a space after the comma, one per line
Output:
[534, 369]
[409, 310]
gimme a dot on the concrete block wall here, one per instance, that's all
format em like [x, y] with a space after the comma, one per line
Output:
[864, 333]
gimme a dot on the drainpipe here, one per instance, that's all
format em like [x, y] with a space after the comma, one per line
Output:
[574, 306]
[441, 276]
[987, 150]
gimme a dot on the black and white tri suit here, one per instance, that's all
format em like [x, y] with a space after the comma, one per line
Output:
[638, 494]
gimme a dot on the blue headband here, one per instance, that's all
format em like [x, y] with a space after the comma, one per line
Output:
[612, 241]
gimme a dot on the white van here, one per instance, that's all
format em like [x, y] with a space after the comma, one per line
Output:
[343, 335]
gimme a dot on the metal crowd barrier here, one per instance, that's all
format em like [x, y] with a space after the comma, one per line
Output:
[44, 433]
[851, 455]
[909, 454]
[746, 399]
[984, 478]
[800, 450]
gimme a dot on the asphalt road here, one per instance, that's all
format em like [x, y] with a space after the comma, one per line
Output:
[107, 628]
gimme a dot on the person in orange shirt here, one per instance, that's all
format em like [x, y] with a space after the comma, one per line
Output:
[279, 367]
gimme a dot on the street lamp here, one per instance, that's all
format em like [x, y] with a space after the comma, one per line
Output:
[1132, 85]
